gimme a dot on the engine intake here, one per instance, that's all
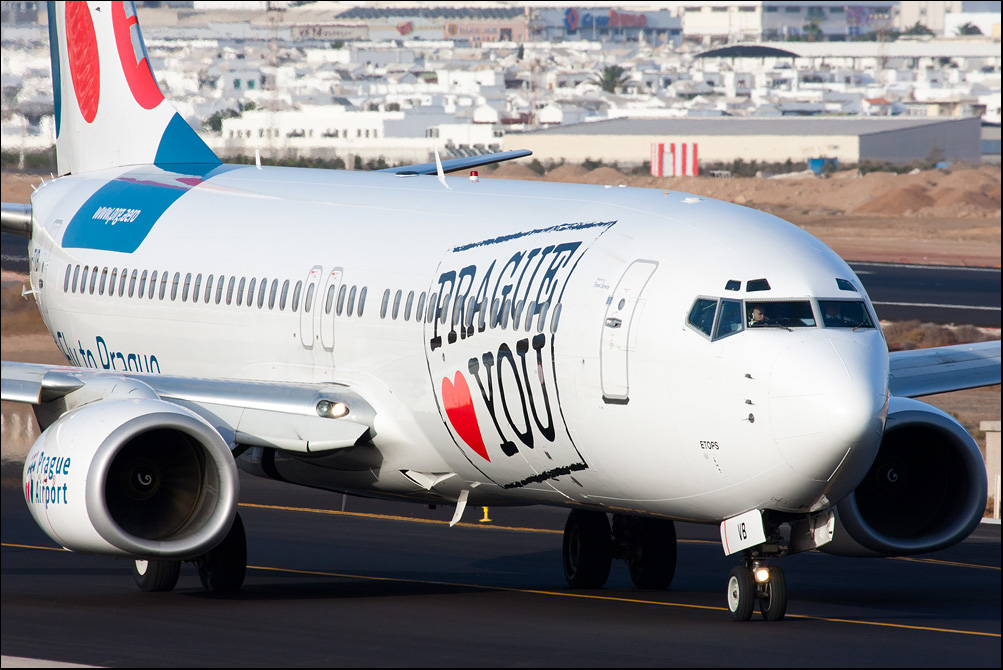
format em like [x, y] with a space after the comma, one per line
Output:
[139, 478]
[926, 489]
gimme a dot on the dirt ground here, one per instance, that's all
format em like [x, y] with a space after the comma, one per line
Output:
[936, 216]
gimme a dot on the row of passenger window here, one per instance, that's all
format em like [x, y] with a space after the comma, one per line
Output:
[339, 299]
[194, 288]
[465, 311]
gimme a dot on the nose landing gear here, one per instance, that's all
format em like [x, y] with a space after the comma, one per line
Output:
[754, 583]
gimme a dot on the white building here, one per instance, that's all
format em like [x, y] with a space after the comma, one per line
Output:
[714, 21]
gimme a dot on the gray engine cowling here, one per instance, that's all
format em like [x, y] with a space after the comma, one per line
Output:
[926, 489]
[137, 478]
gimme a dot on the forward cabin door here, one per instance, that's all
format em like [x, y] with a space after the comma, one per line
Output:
[619, 331]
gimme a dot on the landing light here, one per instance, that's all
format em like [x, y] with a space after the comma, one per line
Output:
[762, 575]
[331, 410]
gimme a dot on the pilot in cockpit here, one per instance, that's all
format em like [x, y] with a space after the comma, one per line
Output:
[757, 317]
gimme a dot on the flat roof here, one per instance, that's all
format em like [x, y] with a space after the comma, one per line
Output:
[731, 125]
[901, 48]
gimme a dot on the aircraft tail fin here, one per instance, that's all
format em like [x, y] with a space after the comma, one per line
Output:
[109, 110]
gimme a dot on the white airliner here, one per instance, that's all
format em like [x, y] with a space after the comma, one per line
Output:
[636, 356]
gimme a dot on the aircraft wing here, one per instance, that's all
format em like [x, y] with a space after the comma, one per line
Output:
[923, 372]
[307, 418]
[455, 164]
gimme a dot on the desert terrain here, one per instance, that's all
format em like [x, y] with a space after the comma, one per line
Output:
[947, 216]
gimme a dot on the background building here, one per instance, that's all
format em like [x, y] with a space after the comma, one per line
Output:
[724, 140]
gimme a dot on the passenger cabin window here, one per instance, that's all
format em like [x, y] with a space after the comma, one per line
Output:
[329, 299]
[284, 295]
[362, 299]
[341, 298]
[308, 300]
[845, 314]
[351, 302]
[408, 305]
[262, 288]
[397, 305]
[780, 314]
[420, 309]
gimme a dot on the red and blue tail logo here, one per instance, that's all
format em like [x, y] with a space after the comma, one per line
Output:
[109, 110]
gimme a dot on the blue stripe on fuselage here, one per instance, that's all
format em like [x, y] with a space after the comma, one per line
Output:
[120, 214]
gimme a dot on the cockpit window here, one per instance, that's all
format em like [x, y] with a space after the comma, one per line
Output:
[702, 315]
[730, 321]
[845, 285]
[780, 314]
[845, 314]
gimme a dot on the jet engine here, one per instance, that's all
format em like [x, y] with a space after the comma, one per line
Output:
[137, 478]
[926, 489]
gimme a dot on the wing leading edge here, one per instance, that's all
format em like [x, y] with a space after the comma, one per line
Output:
[307, 418]
[923, 372]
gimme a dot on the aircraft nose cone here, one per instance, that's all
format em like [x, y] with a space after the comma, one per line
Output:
[827, 398]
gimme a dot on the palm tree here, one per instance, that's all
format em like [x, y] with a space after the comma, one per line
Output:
[611, 77]
[969, 29]
[917, 29]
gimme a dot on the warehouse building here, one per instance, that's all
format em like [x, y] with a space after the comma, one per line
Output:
[849, 140]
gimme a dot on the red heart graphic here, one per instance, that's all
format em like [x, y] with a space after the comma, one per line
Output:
[460, 410]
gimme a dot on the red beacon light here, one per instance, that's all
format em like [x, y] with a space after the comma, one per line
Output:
[474, 177]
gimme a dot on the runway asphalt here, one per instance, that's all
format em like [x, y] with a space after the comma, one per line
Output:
[388, 584]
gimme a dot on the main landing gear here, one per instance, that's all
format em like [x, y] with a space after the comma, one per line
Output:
[221, 570]
[591, 543]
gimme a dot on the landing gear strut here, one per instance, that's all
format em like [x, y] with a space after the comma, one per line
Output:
[756, 583]
[590, 544]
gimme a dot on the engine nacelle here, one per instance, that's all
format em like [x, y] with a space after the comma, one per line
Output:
[137, 478]
[926, 489]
